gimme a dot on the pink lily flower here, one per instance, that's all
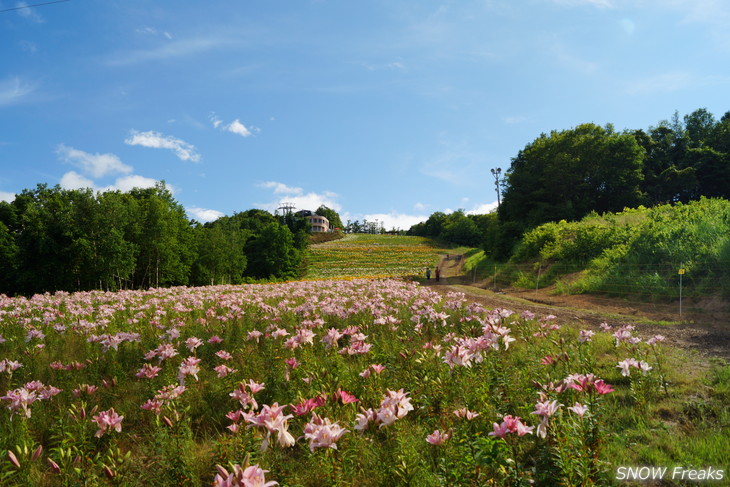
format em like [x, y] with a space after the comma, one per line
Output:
[602, 387]
[252, 476]
[345, 397]
[322, 433]
[108, 420]
[437, 438]
[579, 409]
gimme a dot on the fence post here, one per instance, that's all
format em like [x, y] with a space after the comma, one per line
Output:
[537, 281]
[681, 274]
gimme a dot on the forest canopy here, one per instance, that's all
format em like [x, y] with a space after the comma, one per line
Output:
[55, 239]
[568, 174]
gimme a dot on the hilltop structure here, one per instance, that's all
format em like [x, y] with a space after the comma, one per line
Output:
[317, 222]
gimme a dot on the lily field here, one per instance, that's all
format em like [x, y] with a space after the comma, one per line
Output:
[342, 381]
[365, 255]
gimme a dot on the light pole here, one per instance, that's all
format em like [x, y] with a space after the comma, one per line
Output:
[496, 173]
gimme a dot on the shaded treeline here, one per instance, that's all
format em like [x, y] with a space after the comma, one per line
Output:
[456, 227]
[565, 175]
[57, 239]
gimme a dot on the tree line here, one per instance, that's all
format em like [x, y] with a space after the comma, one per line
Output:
[58, 239]
[456, 227]
[567, 174]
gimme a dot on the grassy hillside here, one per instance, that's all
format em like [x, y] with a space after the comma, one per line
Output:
[637, 253]
[364, 255]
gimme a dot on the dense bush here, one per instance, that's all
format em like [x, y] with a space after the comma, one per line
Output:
[639, 251]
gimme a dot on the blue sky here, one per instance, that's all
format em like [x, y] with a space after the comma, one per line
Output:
[379, 109]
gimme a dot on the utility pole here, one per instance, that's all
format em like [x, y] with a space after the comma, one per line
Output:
[496, 173]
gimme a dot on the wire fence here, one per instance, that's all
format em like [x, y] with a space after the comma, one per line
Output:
[679, 289]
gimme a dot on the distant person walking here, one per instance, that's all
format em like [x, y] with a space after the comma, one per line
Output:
[428, 273]
[438, 273]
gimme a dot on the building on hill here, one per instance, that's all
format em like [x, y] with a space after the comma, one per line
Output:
[317, 222]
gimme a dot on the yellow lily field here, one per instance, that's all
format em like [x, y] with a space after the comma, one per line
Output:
[364, 255]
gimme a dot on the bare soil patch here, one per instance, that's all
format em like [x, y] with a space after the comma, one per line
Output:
[703, 329]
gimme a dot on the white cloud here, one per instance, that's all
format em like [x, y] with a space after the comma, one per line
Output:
[5, 196]
[312, 201]
[94, 165]
[74, 180]
[13, 90]
[281, 188]
[169, 50]
[204, 214]
[297, 197]
[156, 140]
[483, 209]
[420, 207]
[713, 13]
[154, 32]
[28, 13]
[236, 127]
[404, 221]
[128, 183]
[98, 166]
[395, 65]
[396, 220]
[215, 120]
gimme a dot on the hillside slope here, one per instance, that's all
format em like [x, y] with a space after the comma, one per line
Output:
[366, 255]
[638, 254]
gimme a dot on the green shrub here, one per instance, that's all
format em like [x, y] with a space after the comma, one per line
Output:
[637, 252]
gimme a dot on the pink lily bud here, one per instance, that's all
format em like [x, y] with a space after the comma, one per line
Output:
[13, 459]
[37, 453]
[222, 471]
[54, 466]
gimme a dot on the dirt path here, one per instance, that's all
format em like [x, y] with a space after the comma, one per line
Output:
[707, 333]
